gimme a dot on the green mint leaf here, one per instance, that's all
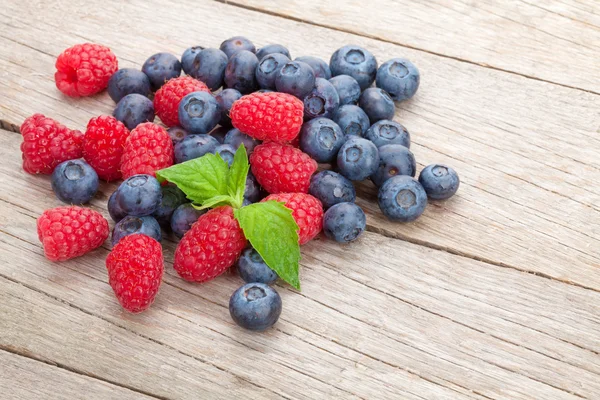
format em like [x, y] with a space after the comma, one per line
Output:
[272, 231]
[215, 202]
[236, 184]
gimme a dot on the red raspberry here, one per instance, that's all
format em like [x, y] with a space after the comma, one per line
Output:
[70, 231]
[47, 143]
[148, 149]
[268, 116]
[306, 210]
[135, 269]
[103, 146]
[212, 245]
[281, 168]
[84, 69]
[167, 98]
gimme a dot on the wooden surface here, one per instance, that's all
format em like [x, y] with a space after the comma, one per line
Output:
[494, 294]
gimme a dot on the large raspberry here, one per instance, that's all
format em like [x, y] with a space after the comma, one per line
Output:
[84, 69]
[47, 143]
[212, 245]
[281, 168]
[68, 232]
[148, 149]
[135, 269]
[268, 116]
[167, 98]
[306, 210]
[103, 146]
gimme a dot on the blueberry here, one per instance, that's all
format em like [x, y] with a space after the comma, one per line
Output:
[199, 112]
[129, 225]
[139, 195]
[74, 182]
[377, 104]
[235, 137]
[268, 68]
[402, 198]
[399, 77]
[240, 72]
[172, 197]
[394, 159]
[388, 132]
[253, 269]
[253, 191]
[194, 146]
[320, 67]
[227, 152]
[344, 222]
[209, 67]
[177, 134]
[255, 306]
[271, 49]
[236, 44]
[352, 120]
[355, 61]
[133, 110]
[296, 78]
[322, 101]
[226, 98]
[183, 218]
[331, 188]
[188, 56]
[357, 159]
[321, 138]
[126, 81]
[114, 209]
[439, 181]
[347, 87]
[219, 133]
[160, 68]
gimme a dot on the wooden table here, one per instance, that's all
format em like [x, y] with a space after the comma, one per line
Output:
[494, 294]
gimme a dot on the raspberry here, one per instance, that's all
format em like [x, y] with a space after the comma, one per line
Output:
[306, 210]
[268, 116]
[212, 245]
[282, 168]
[47, 143]
[148, 149]
[135, 269]
[84, 69]
[167, 98]
[103, 146]
[70, 231]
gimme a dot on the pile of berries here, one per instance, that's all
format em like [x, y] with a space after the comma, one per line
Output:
[290, 115]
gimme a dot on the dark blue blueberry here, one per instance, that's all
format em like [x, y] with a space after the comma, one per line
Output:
[115, 211]
[357, 159]
[352, 120]
[253, 269]
[439, 181]
[160, 68]
[265, 91]
[399, 77]
[209, 67]
[133, 110]
[126, 81]
[235, 137]
[255, 306]
[226, 98]
[236, 44]
[388, 132]
[331, 188]
[271, 49]
[129, 225]
[240, 72]
[321, 138]
[199, 112]
[355, 61]
[377, 104]
[227, 152]
[268, 68]
[347, 87]
[402, 198]
[177, 134]
[219, 133]
[172, 197]
[74, 182]
[320, 67]
[296, 78]
[253, 191]
[139, 195]
[322, 101]
[394, 159]
[183, 218]
[344, 222]
[188, 56]
[194, 146]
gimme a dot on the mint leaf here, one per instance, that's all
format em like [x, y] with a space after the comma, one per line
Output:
[236, 184]
[272, 231]
[215, 202]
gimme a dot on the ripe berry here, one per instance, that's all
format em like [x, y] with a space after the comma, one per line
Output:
[255, 306]
[194, 146]
[226, 98]
[439, 181]
[253, 191]
[160, 68]
[377, 104]
[322, 101]
[271, 49]
[355, 61]
[134, 109]
[394, 159]
[227, 152]
[358, 158]
[127, 81]
[167, 98]
[268, 68]
[347, 87]
[296, 78]
[103, 146]
[402, 198]
[344, 222]
[139, 195]
[235, 137]
[172, 197]
[199, 112]
[183, 218]
[352, 120]
[240, 72]
[388, 132]
[321, 138]
[236, 44]
[114, 209]
[306, 210]
[74, 182]
[188, 56]
[252, 268]
[332, 188]
[209, 67]
[148, 149]
[399, 77]
[131, 225]
[177, 134]
[318, 65]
